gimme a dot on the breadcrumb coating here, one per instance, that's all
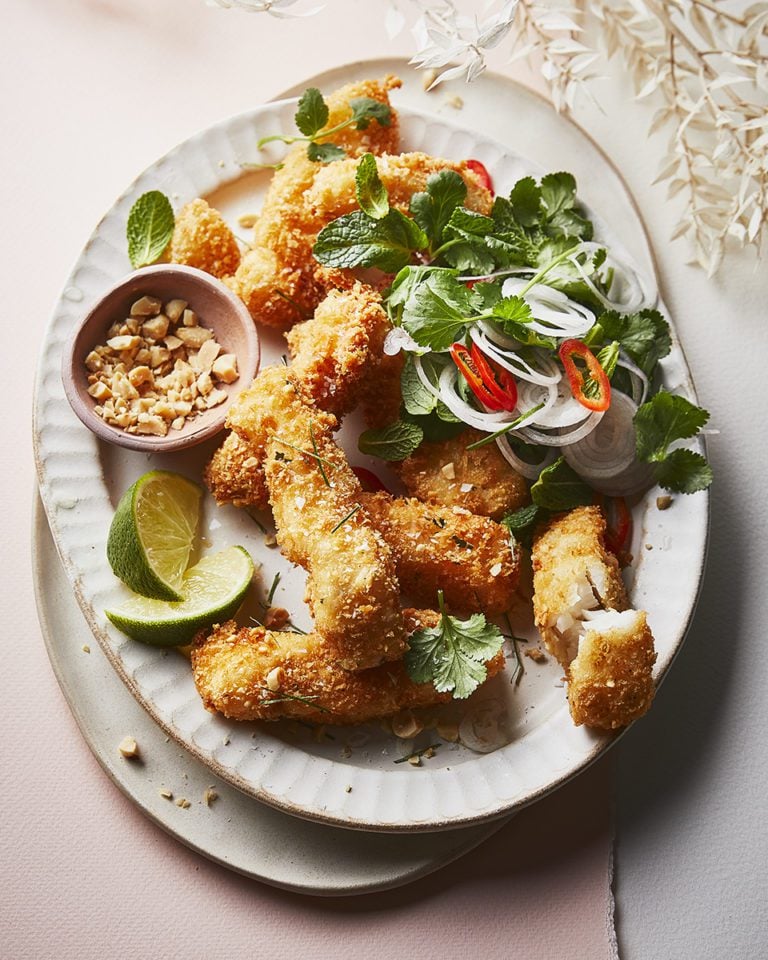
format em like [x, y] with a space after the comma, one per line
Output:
[234, 475]
[352, 590]
[250, 673]
[610, 682]
[202, 239]
[479, 480]
[436, 548]
[276, 277]
[573, 573]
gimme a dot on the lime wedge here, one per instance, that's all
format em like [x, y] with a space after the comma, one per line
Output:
[213, 590]
[152, 533]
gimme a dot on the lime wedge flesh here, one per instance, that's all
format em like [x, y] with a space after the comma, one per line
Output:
[152, 534]
[213, 590]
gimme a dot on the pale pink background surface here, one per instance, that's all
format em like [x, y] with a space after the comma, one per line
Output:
[92, 93]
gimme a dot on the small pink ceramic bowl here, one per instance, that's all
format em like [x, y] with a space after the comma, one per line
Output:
[217, 308]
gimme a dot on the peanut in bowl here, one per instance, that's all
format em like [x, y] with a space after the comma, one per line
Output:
[157, 360]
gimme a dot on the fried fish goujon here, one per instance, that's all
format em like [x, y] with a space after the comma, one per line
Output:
[276, 278]
[580, 607]
[250, 673]
[352, 590]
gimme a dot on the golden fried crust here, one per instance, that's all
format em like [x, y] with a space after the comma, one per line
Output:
[469, 558]
[276, 278]
[333, 193]
[610, 683]
[201, 239]
[352, 589]
[234, 475]
[572, 573]
[254, 674]
[479, 480]
[382, 395]
[337, 351]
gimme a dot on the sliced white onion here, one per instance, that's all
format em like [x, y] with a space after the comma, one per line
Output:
[638, 379]
[530, 471]
[548, 371]
[562, 437]
[554, 313]
[483, 728]
[399, 339]
[636, 478]
[610, 448]
[424, 379]
[561, 408]
[487, 422]
[629, 295]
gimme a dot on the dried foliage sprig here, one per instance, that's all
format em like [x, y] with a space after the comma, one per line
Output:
[703, 62]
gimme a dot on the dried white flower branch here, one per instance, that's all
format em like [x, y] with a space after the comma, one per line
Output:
[705, 65]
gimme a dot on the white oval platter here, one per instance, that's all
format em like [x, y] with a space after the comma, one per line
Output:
[287, 766]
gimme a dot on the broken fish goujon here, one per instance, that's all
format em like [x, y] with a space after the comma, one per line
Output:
[275, 278]
[251, 673]
[352, 590]
[580, 608]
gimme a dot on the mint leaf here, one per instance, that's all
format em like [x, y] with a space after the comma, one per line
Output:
[394, 442]
[560, 488]
[417, 399]
[150, 228]
[355, 240]
[472, 247]
[365, 109]
[663, 420]
[684, 471]
[371, 193]
[324, 152]
[438, 311]
[521, 522]
[453, 654]
[432, 210]
[312, 112]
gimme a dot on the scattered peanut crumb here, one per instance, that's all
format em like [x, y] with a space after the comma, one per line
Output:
[664, 502]
[347, 789]
[536, 654]
[86, 648]
[129, 748]
[649, 546]
[276, 617]
[447, 730]
[415, 761]
[247, 220]
[456, 102]
[183, 803]
[448, 471]
[210, 797]
[274, 677]
[166, 794]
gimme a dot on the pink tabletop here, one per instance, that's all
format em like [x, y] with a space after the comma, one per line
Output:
[94, 90]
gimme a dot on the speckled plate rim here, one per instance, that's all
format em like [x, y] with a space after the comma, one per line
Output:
[588, 750]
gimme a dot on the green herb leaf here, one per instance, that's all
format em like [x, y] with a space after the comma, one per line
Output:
[644, 336]
[663, 420]
[608, 357]
[365, 109]
[150, 228]
[559, 487]
[324, 152]
[684, 471]
[453, 654]
[394, 442]
[521, 523]
[417, 399]
[312, 113]
[438, 311]
[371, 193]
[432, 210]
[355, 240]
[514, 309]
[525, 198]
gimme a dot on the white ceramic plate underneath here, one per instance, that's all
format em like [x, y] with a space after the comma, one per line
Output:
[287, 765]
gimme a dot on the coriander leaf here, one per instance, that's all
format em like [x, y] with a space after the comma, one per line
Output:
[488, 294]
[560, 488]
[433, 209]
[558, 192]
[394, 442]
[684, 471]
[453, 654]
[521, 523]
[312, 113]
[438, 311]
[355, 240]
[324, 152]
[403, 286]
[371, 193]
[365, 109]
[663, 420]
[514, 309]
[525, 198]
[150, 228]
[469, 244]
[644, 336]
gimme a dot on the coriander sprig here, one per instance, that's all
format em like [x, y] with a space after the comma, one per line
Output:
[312, 116]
